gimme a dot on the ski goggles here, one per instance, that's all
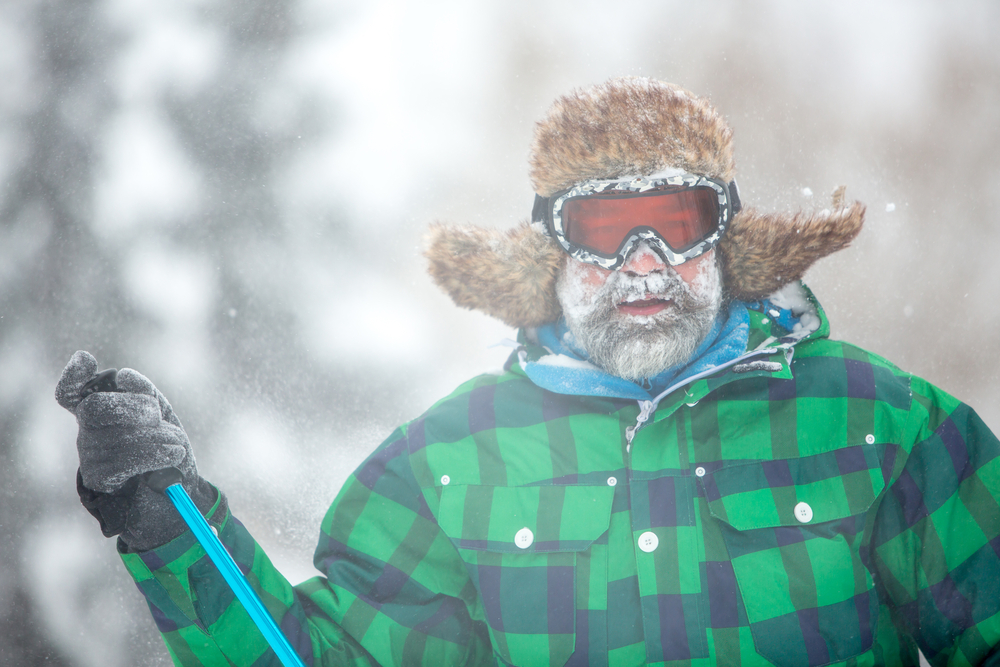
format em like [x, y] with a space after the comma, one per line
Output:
[600, 222]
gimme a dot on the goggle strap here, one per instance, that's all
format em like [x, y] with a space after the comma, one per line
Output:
[540, 210]
[734, 197]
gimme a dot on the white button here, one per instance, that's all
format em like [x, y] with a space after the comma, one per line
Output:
[612, 481]
[445, 480]
[699, 471]
[803, 513]
[691, 404]
[648, 541]
[524, 538]
[870, 439]
[214, 530]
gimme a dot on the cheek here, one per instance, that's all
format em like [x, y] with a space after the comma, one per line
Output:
[592, 276]
[579, 282]
[690, 271]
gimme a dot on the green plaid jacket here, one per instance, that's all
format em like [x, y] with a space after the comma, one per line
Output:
[823, 508]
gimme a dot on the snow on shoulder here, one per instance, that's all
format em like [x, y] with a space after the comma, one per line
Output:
[793, 297]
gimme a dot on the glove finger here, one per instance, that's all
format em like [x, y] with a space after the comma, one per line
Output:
[110, 475]
[107, 450]
[81, 367]
[107, 409]
[134, 382]
[168, 412]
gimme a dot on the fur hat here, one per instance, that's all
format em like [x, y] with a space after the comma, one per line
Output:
[628, 127]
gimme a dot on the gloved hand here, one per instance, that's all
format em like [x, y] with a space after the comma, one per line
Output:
[123, 435]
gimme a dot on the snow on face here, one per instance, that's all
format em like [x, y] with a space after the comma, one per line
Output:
[605, 310]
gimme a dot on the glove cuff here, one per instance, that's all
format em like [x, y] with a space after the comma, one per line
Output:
[110, 509]
[145, 519]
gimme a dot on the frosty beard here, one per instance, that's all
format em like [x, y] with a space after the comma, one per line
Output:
[636, 347]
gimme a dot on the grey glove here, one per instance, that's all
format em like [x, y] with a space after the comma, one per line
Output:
[122, 436]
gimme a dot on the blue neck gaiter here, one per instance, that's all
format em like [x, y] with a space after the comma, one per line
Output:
[568, 370]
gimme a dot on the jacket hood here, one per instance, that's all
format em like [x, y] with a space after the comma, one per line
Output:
[628, 126]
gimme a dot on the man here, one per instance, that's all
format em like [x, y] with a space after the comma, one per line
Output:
[677, 465]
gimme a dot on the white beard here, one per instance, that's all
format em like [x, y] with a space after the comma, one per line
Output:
[639, 347]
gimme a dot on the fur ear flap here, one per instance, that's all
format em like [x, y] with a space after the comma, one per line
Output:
[508, 274]
[511, 274]
[762, 252]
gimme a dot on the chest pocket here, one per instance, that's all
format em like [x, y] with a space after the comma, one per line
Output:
[793, 529]
[529, 553]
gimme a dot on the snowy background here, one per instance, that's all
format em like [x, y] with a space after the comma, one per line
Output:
[230, 196]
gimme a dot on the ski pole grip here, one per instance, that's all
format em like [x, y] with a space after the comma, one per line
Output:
[159, 480]
[103, 381]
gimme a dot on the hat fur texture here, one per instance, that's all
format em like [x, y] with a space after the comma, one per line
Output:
[628, 127]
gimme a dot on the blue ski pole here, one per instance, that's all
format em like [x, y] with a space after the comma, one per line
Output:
[168, 481]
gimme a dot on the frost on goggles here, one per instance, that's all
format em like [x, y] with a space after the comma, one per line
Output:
[680, 216]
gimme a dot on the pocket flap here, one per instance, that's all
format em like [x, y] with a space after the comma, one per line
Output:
[792, 492]
[525, 519]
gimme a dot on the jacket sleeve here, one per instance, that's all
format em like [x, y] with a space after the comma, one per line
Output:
[394, 589]
[936, 539]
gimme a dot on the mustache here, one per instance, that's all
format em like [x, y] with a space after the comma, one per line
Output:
[667, 286]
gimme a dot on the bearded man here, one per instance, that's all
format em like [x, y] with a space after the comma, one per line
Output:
[677, 465]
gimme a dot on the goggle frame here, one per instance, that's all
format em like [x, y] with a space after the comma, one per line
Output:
[548, 211]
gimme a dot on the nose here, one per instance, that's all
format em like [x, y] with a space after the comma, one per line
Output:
[643, 261]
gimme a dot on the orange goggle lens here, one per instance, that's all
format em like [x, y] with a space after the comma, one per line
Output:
[601, 223]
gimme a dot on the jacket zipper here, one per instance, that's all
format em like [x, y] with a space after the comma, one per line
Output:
[645, 410]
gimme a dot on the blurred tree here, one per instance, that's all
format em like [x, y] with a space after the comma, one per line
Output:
[66, 282]
[226, 132]
[241, 130]
[54, 276]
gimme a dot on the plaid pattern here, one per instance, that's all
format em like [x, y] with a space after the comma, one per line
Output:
[833, 511]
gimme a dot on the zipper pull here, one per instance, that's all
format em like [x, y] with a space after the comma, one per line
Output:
[645, 409]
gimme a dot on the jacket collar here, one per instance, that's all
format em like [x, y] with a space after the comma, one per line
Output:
[748, 339]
